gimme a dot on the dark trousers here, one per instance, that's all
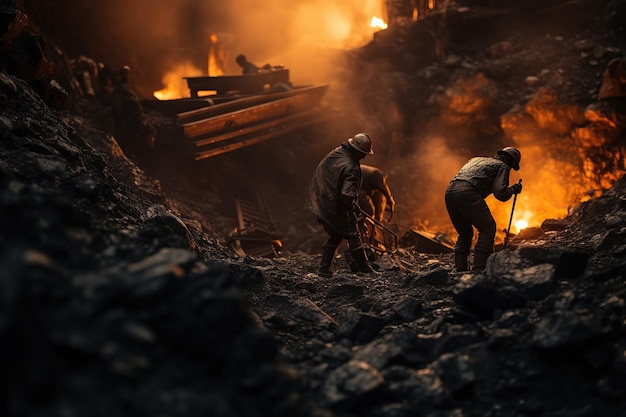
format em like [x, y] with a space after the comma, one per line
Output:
[335, 238]
[467, 209]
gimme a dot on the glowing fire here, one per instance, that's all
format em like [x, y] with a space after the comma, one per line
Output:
[218, 55]
[521, 224]
[175, 84]
[377, 22]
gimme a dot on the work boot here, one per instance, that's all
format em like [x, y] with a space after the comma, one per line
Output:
[347, 254]
[460, 261]
[360, 258]
[480, 261]
[328, 255]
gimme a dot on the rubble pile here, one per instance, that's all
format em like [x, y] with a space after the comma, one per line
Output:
[106, 304]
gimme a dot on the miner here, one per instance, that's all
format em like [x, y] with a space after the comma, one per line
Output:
[85, 70]
[247, 67]
[333, 197]
[375, 195]
[131, 127]
[375, 199]
[465, 202]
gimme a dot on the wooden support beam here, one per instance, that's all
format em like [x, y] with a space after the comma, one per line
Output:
[259, 137]
[232, 120]
[251, 129]
[198, 114]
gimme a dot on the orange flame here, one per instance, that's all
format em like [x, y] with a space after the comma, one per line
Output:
[377, 22]
[175, 84]
[217, 56]
[521, 224]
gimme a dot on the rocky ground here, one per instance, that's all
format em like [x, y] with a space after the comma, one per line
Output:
[120, 296]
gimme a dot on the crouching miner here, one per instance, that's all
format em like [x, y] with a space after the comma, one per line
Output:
[465, 202]
[333, 198]
[375, 196]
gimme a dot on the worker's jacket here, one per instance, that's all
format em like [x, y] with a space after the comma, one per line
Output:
[334, 188]
[486, 175]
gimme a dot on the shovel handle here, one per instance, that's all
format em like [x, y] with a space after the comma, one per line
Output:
[506, 238]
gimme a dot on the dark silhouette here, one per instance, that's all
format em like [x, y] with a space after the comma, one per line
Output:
[465, 202]
[333, 198]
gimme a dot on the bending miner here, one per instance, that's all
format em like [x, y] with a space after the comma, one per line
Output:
[375, 199]
[465, 202]
[333, 198]
[375, 195]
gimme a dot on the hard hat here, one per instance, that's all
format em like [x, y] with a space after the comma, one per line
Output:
[362, 143]
[513, 153]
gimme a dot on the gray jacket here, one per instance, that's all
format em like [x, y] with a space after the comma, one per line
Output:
[486, 175]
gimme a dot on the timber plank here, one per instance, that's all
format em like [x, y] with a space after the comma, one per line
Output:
[249, 82]
[263, 136]
[195, 115]
[253, 128]
[252, 114]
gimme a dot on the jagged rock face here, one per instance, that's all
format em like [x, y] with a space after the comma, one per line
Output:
[22, 54]
[106, 306]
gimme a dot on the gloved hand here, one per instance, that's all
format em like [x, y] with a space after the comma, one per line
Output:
[516, 188]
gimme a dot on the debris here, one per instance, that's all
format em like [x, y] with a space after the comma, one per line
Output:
[256, 234]
[427, 242]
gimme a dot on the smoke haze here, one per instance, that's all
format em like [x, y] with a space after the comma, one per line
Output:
[153, 35]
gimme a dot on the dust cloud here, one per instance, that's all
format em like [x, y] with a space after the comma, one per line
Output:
[304, 35]
[153, 36]
[431, 168]
[156, 37]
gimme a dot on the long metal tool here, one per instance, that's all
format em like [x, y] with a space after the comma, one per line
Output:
[506, 238]
[385, 228]
[394, 251]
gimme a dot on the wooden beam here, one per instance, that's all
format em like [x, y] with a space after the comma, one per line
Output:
[249, 82]
[252, 114]
[261, 137]
[251, 129]
[241, 103]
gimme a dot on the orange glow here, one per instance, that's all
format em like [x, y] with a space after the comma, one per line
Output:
[377, 22]
[554, 183]
[218, 55]
[326, 27]
[175, 85]
[552, 188]
[521, 224]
